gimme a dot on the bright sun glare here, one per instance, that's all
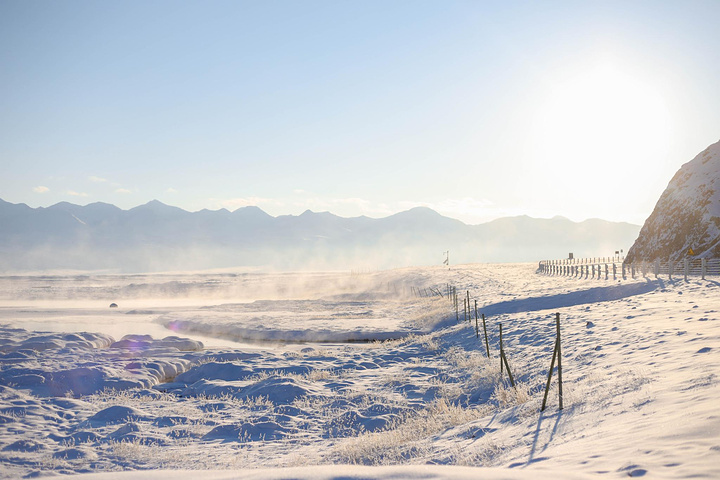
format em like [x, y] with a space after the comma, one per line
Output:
[600, 122]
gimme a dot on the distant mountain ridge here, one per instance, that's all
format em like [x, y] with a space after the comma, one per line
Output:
[687, 215]
[157, 237]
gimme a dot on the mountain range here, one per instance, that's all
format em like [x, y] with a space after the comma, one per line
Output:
[159, 237]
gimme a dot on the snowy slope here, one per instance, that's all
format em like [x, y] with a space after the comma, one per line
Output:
[640, 371]
[687, 214]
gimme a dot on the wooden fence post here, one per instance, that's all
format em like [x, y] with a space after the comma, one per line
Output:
[469, 319]
[559, 360]
[487, 345]
[477, 327]
[457, 314]
[703, 267]
[503, 360]
[686, 268]
[501, 350]
[557, 354]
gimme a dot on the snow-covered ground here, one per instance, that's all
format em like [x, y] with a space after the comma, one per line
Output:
[253, 372]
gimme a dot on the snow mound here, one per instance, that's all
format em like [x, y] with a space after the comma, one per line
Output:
[144, 342]
[281, 390]
[352, 421]
[23, 446]
[23, 342]
[215, 371]
[48, 365]
[80, 381]
[76, 453]
[116, 414]
[249, 432]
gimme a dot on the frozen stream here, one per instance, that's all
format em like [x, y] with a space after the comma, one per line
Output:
[221, 310]
[65, 316]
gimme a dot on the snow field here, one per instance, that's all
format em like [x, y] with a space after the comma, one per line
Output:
[639, 368]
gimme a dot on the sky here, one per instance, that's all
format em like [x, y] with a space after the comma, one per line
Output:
[476, 109]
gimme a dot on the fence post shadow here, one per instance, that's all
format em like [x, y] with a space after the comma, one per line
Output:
[536, 437]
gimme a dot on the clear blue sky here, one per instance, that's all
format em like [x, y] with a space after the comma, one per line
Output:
[477, 109]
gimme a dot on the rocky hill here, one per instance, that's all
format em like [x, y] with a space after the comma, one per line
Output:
[687, 216]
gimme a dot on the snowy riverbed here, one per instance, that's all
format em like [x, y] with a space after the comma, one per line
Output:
[244, 371]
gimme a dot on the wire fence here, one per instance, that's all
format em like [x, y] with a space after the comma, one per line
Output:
[616, 267]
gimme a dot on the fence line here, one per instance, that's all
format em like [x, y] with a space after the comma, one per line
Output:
[468, 311]
[614, 267]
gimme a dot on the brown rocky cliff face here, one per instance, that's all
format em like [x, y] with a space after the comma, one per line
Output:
[687, 215]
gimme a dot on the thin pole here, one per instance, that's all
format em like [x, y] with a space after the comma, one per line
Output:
[504, 361]
[559, 359]
[468, 304]
[457, 315]
[477, 327]
[501, 350]
[487, 345]
[547, 385]
[507, 365]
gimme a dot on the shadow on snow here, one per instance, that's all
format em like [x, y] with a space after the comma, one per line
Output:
[591, 295]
